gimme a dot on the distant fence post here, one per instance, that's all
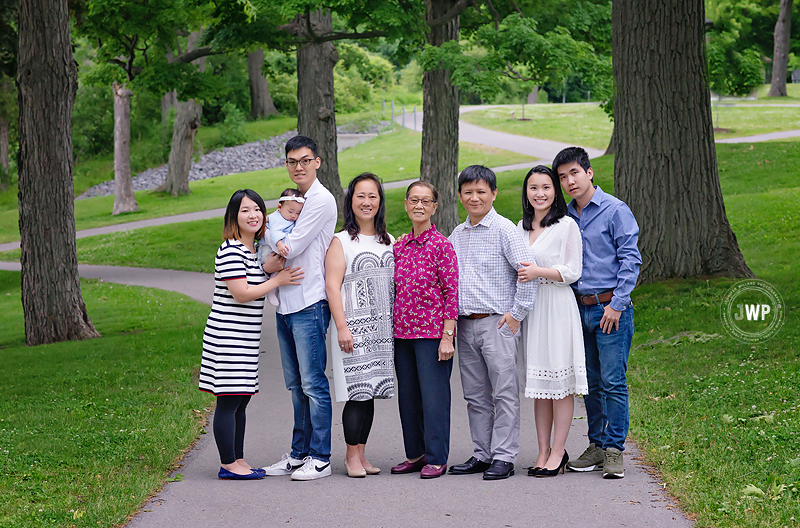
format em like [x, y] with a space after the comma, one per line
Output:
[383, 107]
[588, 96]
[415, 118]
[404, 115]
[392, 111]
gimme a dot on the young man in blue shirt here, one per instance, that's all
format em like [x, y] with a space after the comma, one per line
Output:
[611, 263]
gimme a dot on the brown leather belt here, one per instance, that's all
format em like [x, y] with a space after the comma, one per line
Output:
[476, 316]
[598, 298]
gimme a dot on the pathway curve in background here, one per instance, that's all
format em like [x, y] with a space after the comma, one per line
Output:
[541, 148]
[200, 499]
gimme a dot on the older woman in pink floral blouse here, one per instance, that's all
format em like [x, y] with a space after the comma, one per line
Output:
[425, 313]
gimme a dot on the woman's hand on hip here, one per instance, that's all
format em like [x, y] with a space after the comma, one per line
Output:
[345, 340]
[289, 276]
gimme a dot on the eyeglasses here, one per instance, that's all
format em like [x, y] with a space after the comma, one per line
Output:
[305, 162]
[426, 202]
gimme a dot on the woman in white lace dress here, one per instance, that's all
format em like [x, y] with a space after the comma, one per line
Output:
[551, 333]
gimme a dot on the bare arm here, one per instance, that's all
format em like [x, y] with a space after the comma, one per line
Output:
[335, 267]
[243, 292]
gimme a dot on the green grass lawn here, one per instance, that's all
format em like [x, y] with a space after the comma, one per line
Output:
[89, 429]
[393, 156]
[583, 124]
[553, 121]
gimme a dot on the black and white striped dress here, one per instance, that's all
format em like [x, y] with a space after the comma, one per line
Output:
[229, 365]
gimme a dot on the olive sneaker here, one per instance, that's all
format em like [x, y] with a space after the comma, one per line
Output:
[612, 465]
[591, 460]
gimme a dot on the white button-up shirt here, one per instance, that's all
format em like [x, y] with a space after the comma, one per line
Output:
[308, 242]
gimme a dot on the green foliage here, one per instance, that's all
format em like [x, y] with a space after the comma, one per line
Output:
[732, 71]
[283, 89]
[92, 121]
[231, 131]
[516, 49]
[230, 70]
[371, 67]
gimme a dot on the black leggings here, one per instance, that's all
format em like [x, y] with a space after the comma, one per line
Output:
[357, 421]
[229, 420]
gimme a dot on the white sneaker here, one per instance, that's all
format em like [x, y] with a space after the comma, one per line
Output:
[285, 466]
[312, 470]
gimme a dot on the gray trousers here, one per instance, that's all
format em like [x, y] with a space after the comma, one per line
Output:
[487, 360]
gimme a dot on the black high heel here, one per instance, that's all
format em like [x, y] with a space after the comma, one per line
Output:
[544, 472]
[532, 471]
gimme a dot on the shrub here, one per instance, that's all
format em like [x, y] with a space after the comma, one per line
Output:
[231, 131]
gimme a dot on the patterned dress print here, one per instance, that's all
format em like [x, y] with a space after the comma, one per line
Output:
[368, 298]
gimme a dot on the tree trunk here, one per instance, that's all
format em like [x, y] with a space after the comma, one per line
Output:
[187, 121]
[315, 102]
[168, 102]
[47, 79]
[124, 199]
[439, 162]
[5, 177]
[780, 56]
[261, 104]
[612, 143]
[665, 166]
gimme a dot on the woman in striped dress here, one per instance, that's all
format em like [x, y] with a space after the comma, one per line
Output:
[229, 365]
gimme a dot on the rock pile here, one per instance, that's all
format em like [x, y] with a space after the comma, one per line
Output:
[259, 155]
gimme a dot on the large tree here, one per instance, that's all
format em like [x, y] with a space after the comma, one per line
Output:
[261, 104]
[780, 56]
[665, 167]
[47, 80]
[8, 69]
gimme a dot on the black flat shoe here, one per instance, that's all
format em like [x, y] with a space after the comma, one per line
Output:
[471, 466]
[544, 472]
[499, 470]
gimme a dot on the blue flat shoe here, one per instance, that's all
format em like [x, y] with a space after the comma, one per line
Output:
[230, 475]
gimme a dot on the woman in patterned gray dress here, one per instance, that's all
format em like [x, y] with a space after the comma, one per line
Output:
[359, 280]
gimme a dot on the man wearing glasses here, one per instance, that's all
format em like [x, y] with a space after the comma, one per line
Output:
[303, 317]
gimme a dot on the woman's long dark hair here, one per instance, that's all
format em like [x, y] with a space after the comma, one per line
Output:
[350, 222]
[231, 226]
[557, 210]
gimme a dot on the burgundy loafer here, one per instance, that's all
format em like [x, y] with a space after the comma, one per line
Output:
[430, 471]
[410, 467]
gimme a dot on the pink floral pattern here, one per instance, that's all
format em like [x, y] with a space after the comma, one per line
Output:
[426, 281]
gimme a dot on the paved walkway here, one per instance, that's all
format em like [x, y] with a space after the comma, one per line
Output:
[200, 499]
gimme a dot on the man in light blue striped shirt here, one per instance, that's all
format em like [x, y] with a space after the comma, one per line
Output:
[492, 304]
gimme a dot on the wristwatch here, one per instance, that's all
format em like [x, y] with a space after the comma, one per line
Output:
[448, 333]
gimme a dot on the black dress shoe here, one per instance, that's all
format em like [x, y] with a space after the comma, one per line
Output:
[471, 466]
[499, 470]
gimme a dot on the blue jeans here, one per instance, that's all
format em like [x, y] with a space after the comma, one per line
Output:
[301, 336]
[606, 364]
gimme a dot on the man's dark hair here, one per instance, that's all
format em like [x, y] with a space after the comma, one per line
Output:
[570, 154]
[299, 142]
[475, 173]
[350, 222]
[557, 210]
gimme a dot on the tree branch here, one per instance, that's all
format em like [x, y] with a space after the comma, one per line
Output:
[495, 14]
[453, 12]
[189, 56]
[513, 3]
[513, 74]
[357, 35]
